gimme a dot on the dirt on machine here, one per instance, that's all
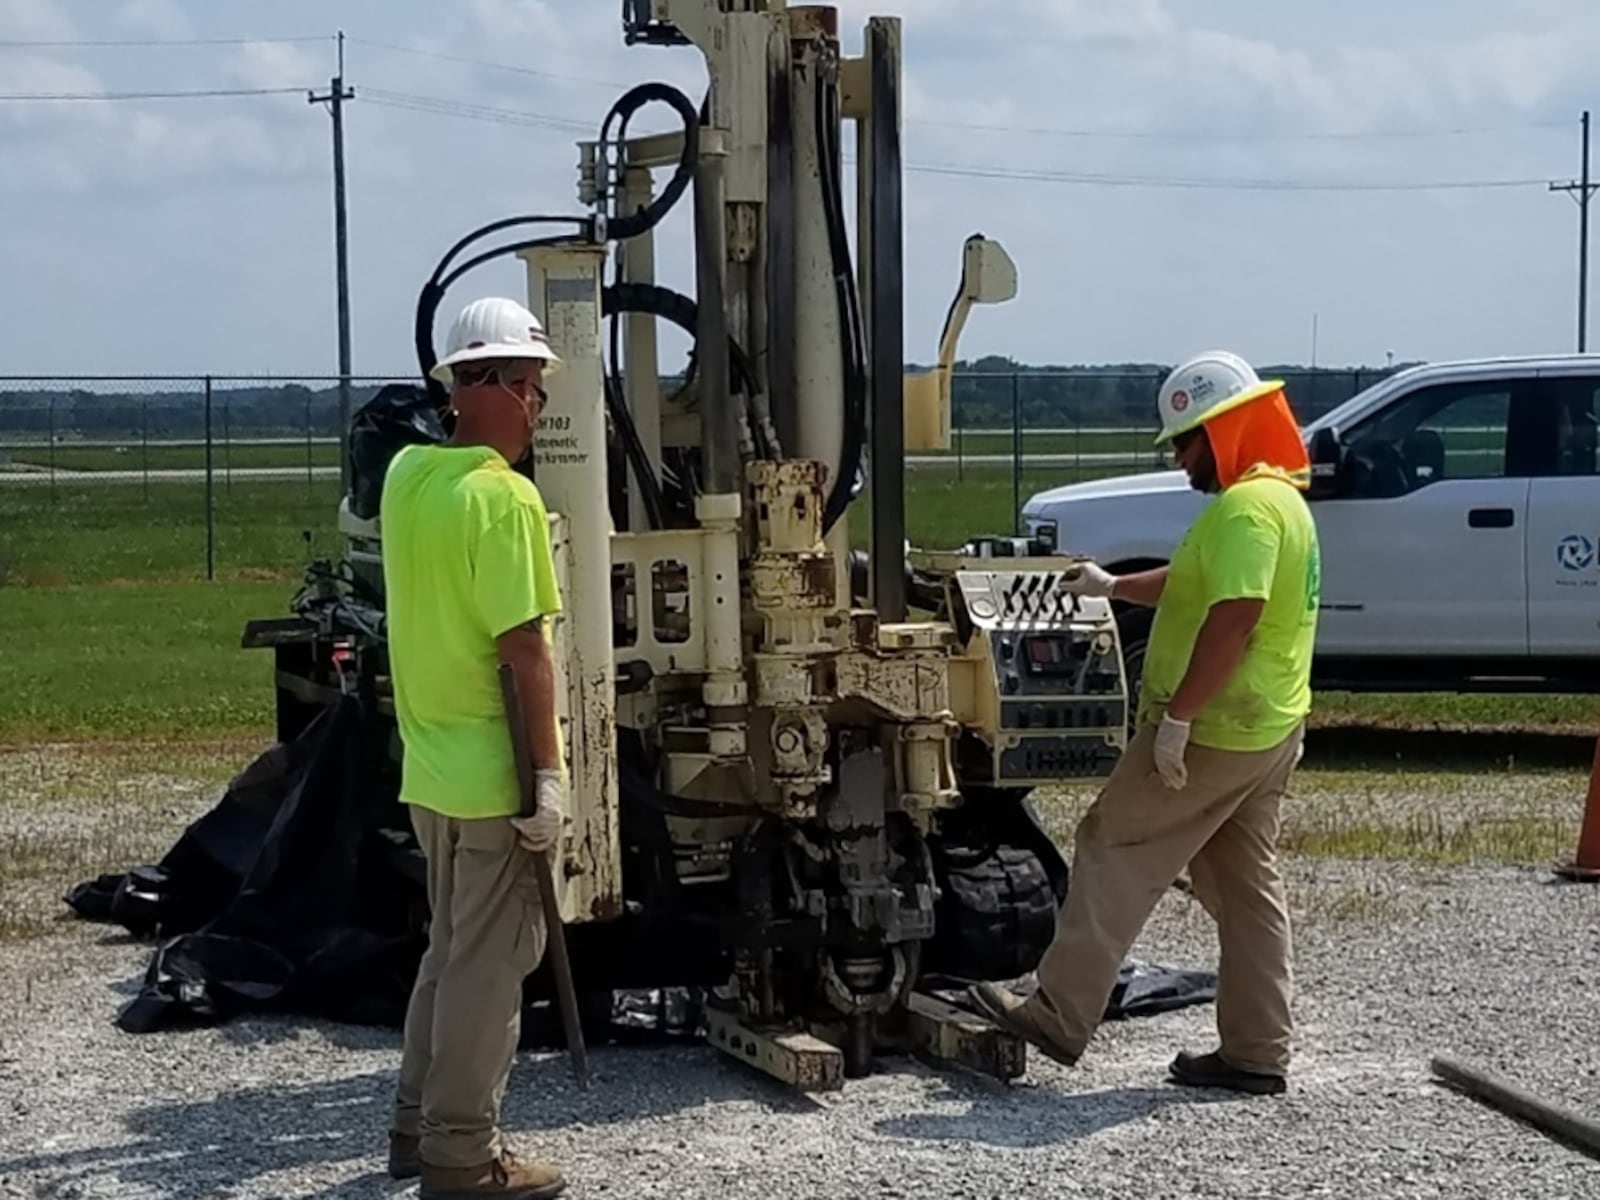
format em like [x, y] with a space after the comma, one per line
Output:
[799, 772]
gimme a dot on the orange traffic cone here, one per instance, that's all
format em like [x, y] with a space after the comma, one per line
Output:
[1586, 867]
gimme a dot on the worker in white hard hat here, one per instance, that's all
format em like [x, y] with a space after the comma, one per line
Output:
[470, 583]
[1224, 697]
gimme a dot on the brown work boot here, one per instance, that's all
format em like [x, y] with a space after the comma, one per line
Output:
[506, 1178]
[1020, 1018]
[1211, 1071]
[403, 1161]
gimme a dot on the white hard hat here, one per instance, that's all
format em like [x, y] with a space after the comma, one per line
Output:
[494, 327]
[1207, 386]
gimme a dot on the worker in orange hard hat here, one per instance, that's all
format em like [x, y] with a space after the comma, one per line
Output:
[1224, 697]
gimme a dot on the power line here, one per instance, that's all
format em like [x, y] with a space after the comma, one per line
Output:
[199, 94]
[492, 66]
[149, 42]
[1224, 184]
[1044, 131]
[474, 112]
[1200, 135]
[507, 116]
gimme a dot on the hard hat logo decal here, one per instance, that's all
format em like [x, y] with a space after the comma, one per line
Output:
[1180, 401]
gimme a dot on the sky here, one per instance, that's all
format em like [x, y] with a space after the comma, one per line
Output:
[1169, 175]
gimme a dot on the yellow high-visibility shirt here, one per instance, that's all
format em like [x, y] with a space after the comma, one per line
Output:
[1256, 540]
[466, 558]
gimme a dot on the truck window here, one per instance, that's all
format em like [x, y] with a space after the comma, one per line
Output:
[1577, 418]
[1452, 431]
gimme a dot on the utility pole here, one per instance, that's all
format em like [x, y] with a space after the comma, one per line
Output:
[337, 95]
[1583, 191]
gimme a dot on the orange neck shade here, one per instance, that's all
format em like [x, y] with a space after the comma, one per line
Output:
[1261, 438]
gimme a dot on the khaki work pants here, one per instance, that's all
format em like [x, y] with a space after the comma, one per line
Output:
[486, 936]
[1132, 844]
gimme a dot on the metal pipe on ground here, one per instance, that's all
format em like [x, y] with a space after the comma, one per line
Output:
[1577, 1131]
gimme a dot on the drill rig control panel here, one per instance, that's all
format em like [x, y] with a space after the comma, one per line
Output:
[1060, 700]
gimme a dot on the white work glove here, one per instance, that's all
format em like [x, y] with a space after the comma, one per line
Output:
[1088, 579]
[540, 832]
[1172, 738]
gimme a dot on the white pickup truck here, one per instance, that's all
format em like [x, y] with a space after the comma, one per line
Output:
[1458, 509]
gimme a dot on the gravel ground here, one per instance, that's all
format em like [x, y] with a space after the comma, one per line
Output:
[1397, 961]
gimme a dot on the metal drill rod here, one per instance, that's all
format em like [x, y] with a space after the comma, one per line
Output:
[555, 931]
[1579, 1132]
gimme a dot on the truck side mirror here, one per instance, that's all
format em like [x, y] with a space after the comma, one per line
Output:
[1327, 464]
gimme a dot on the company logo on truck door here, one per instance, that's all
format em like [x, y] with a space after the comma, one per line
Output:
[1575, 552]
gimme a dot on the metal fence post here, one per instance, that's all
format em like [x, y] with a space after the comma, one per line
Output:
[211, 514]
[955, 416]
[1016, 453]
[52, 431]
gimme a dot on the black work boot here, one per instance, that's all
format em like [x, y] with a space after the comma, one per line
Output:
[1210, 1071]
[403, 1162]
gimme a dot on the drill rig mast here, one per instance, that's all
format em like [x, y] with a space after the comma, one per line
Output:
[787, 786]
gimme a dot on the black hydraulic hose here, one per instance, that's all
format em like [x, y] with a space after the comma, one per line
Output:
[631, 225]
[438, 283]
[852, 348]
[504, 223]
[655, 300]
[632, 444]
[681, 311]
[655, 505]
[500, 252]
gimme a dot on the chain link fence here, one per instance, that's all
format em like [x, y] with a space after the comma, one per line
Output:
[1015, 433]
[162, 478]
[106, 479]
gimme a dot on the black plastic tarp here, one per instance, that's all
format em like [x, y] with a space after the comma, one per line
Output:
[399, 415]
[302, 891]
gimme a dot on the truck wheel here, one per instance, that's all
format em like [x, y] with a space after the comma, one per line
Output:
[1133, 626]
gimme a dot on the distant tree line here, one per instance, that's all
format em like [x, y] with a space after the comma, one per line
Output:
[995, 392]
[988, 393]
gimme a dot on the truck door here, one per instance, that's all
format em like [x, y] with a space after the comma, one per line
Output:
[1564, 523]
[1424, 548]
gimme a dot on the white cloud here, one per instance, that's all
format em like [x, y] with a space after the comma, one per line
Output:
[158, 18]
[34, 20]
[278, 64]
[538, 23]
[1106, 272]
[1032, 20]
[47, 74]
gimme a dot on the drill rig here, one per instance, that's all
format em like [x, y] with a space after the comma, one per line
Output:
[798, 773]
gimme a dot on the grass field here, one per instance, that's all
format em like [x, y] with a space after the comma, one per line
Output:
[112, 630]
[132, 458]
[124, 532]
[136, 454]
